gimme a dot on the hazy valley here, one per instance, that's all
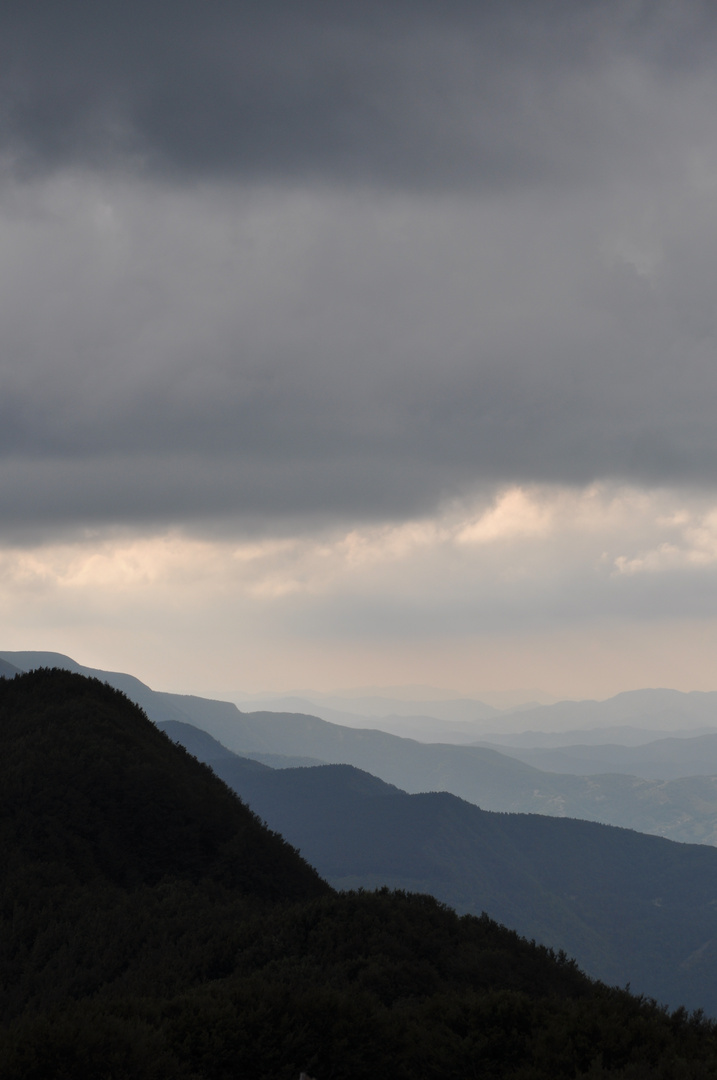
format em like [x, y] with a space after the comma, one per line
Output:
[681, 808]
[628, 907]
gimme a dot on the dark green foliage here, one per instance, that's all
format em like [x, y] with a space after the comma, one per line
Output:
[151, 928]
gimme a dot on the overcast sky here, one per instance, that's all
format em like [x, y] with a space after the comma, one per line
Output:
[361, 343]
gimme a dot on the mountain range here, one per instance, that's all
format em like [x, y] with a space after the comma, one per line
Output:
[629, 907]
[683, 808]
[663, 758]
[151, 926]
[653, 712]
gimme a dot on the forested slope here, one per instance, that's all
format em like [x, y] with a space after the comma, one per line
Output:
[150, 927]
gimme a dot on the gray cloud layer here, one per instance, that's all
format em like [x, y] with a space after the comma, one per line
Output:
[266, 260]
[409, 93]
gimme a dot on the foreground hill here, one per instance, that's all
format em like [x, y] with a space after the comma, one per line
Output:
[150, 927]
[683, 809]
[629, 907]
[97, 792]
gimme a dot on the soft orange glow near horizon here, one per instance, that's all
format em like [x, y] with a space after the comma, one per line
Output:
[574, 593]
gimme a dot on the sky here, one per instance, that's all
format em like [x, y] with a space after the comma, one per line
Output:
[361, 344]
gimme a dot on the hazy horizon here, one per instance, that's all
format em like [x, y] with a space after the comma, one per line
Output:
[503, 701]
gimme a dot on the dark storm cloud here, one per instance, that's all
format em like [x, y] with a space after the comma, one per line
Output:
[421, 249]
[320, 452]
[413, 93]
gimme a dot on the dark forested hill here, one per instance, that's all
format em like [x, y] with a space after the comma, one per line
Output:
[150, 927]
[101, 793]
[631, 908]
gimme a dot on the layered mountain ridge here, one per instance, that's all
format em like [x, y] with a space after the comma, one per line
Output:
[629, 907]
[150, 926]
[683, 808]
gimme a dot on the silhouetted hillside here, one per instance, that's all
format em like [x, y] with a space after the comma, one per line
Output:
[151, 928]
[630, 907]
[90, 785]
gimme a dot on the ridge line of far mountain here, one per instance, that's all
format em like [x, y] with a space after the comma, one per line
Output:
[683, 809]
[629, 907]
[631, 704]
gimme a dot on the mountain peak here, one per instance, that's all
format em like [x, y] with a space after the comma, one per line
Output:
[89, 781]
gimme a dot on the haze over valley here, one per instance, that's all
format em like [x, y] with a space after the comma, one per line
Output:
[665, 786]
